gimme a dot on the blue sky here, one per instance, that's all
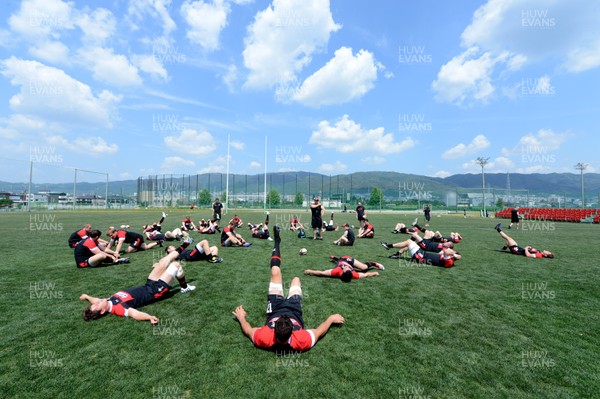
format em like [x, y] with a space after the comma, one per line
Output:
[141, 87]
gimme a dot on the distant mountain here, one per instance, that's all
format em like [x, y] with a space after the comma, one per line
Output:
[361, 183]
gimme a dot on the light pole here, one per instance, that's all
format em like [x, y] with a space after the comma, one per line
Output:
[482, 162]
[581, 167]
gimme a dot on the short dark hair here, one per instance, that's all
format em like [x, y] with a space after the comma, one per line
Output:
[283, 329]
[95, 233]
[89, 314]
[346, 277]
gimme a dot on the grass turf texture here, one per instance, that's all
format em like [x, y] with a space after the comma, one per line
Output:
[495, 325]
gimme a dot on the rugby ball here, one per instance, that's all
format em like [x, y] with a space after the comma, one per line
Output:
[303, 251]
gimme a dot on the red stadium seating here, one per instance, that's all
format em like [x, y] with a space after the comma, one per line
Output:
[553, 214]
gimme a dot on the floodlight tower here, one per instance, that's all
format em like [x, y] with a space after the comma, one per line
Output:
[581, 167]
[482, 162]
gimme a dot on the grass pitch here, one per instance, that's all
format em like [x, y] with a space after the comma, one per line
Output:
[495, 325]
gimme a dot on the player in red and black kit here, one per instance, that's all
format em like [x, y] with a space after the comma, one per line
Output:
[237, 221]
[344, 269]
[230, 238]
[187, 224]
[295, 224]
[125, 303]
[261, 231]
[401, 228]
[367, 231]
[347, 239]
[514, 248]
[284, 328]
[88, 254]
[135, 240]
[444, 258]
[153, 231]
[79, 235]
[202, 251]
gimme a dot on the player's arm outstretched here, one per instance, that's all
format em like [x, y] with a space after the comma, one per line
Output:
[247, 329]
[320, 331]
[367, 274]
[142, 316]
[318, 273]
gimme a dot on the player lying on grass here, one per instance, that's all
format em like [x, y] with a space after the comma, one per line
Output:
[175, 234]
[125, 303]
[89, 254]
[345, 269]
[284, 328]
[202, 251]
[514, 248]
[155, 226]
[454, 237]
[367, 230]
[135, 240]
[330, 226]
[260, 231]
[229, 238]
[401, 228]
[208, 226]
[444, 257]
[347, 239]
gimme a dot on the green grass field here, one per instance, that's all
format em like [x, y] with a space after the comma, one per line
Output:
[494, 326]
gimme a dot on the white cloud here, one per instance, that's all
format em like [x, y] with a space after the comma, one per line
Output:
[49, 93]
[255, 165]
[479, 143]
[205, 22]
[344, 78]
[544, 141]
[150, 65]
[218, 165]
[332, 167]
[238, 145]
[518, 32]
[347, 136]
[125, 176]
[176, 165]
[192, 142]
[442, 174]
[283, 38]
[97, 26]
[42, 19]
[95, 146]
[468, 76]
[230, 77]
[110, 68]
[52, 52]
[156, 9]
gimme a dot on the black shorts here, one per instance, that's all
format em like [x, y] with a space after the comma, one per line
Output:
[514, 219]
[137, 244]
[157, 237]
[157, 288]
[317, 223]
[281, 306]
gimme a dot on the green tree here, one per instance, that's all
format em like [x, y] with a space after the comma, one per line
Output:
[299, 199]
[376, 197]
[223, 198]
[500, 203]
[273, 198]
[204, 197]
[5, 202]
